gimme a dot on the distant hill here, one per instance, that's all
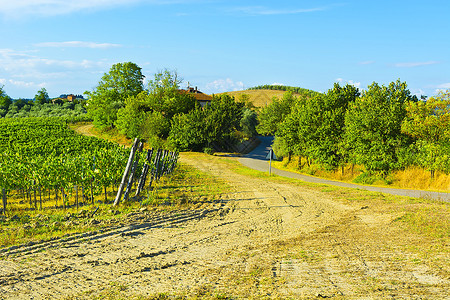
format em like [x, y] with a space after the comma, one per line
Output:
[262, 95]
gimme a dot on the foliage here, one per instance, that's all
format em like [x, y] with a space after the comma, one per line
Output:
[42, 96]
[66, 110]
[314, 126]
[124, 80]
[208, 126]
[271, 116]
[249, 122]
[5, 102]
[188, 132]
[298, 90]
[429, 123]
[44, 152]
[149, 114]
[373, 134]
[321, 124]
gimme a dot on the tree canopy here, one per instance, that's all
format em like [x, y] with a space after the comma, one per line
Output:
[122, 81]
[5, 102]
[42, 96]
[429, 123]
[373, 134]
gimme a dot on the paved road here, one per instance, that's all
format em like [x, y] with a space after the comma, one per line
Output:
[257, 160]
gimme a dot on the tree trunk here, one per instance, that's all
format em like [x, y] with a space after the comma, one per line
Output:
[5, 201]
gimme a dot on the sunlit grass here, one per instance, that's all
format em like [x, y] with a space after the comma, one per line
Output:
[410, 178]
[186, 188]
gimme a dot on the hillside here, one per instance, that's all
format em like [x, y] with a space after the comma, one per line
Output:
[259, 98]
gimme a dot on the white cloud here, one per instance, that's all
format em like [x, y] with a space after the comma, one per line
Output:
[444, 86]
[224, 85]
[276, 83]
[351, 82]
[415, 64]
[78, 44]
[25, 84]
[23, 72]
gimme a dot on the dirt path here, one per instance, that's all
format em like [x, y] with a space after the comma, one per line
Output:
[261, 239]
[85, 129]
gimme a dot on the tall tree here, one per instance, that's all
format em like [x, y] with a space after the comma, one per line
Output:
[5, 102]
[155, 108]
[271, 116]
[429, 122]
[205, 127]
[122, 81]
[42, 96]
[373, 134]
[321, 124]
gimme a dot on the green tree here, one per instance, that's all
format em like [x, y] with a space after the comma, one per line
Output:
[188, 131]
[373, 134]
[213, 125]
[5, 102]
[321, 124]
[42, 96]
[429, 123]
[165, 95]
[157, 106]
[122, 81]
[271, 116]
[287, 142]
[249, 122]
[131, 116]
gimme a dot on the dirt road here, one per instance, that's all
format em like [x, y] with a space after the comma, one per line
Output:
[262, 239]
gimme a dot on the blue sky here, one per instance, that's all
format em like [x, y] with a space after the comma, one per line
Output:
[66, 46]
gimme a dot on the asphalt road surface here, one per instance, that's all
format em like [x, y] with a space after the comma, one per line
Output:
[257, 160]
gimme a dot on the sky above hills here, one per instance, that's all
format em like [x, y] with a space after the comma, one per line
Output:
[224, 45]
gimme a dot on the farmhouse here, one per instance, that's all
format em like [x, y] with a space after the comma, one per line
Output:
[203, 99]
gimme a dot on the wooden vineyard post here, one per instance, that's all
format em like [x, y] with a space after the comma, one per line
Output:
[155, 167]
[144, 173]
[4, 201]
[132, 171]
[125, 173]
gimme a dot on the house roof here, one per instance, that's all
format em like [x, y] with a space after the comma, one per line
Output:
[199, 96]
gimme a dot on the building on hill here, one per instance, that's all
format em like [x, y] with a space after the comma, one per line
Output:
[203, 99]
[70, 97]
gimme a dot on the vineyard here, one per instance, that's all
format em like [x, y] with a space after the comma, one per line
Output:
[46, 164]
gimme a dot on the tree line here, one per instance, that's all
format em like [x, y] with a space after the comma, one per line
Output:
[164, 115]
[384, 128]
[41, 106]
[293, 89]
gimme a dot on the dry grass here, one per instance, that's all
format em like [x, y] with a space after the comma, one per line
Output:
[411, 178]
[259, 98]
[110, 134]
[418, 178]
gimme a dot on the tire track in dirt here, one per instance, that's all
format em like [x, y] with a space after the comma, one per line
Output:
[260, 239]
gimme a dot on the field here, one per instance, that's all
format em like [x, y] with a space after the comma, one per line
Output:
[259, 98]
[217, 230]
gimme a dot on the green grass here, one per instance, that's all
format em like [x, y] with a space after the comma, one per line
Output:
[186, 188]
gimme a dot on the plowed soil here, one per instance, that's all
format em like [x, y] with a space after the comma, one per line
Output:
[262, 239]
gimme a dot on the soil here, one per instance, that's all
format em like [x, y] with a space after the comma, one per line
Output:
[261, 239]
